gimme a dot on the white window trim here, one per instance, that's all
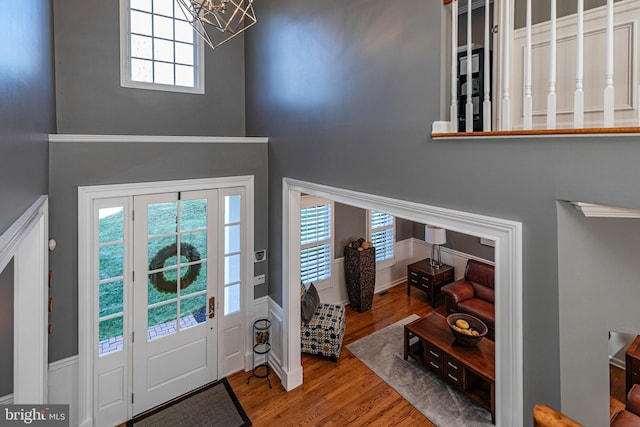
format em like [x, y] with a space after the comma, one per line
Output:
[125, 57]
[388, 262]
[305, 202]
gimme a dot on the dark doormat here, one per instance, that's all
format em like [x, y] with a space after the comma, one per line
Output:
[212, 405]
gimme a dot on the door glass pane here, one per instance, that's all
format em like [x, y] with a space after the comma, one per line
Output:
[231, 269]
[162, 252]
[231, 239]
[111, 298]
[193, 214]
[231, 209]
[162, 218]
[232, 299]
[111, 224]
[110, 337]
[162, 320]
[194, 246]
[193, 311]
[162, 285]
[200, 284]
[111, 261]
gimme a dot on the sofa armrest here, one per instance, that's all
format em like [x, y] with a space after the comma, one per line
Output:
[633, 399]
[459, 291]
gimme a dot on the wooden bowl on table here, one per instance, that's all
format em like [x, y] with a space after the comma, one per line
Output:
[475, 327]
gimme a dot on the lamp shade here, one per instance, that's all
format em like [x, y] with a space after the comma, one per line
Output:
[435, 235]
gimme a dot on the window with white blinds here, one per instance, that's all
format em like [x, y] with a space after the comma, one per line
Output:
[316, 230]
[381, 228]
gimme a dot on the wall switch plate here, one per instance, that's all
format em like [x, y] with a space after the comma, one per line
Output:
[259, 256]
[259, 280]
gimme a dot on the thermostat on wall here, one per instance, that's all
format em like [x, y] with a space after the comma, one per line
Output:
[260, 255]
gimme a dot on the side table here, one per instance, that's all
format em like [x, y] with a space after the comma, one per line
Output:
[427, 278]
[261, 346]
[632, 363]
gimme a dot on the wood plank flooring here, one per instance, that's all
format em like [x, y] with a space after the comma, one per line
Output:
[346, 393]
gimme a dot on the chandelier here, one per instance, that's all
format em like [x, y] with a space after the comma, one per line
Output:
[218, 21]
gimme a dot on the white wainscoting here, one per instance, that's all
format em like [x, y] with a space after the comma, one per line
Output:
[626, 16]
[277, 346]
[63, 385]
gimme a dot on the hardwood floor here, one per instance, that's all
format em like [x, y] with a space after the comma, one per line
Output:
[346, 393]
[617, 390]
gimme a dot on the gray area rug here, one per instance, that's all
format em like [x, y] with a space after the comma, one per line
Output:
[214, 405]
[383, 351]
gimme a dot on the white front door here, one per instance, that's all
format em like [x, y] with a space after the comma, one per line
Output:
[174, 295]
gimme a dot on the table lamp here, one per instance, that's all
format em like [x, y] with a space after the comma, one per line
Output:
[435, 236]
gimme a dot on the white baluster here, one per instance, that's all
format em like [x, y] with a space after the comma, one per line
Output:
[551, 96]
[527, 100]
[453, 113]
[608, 74]
[486, 105]
[578, 97]
[469, 83]
[505, 122]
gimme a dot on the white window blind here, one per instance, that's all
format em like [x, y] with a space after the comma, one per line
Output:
[381, 229]
[315, 240]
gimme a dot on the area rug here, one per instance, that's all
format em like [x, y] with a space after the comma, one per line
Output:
[383, 351]
[214, 405]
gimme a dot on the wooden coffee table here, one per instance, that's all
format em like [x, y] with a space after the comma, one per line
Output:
[469, 369]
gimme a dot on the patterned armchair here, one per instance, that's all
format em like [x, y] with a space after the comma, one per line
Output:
[324, 331]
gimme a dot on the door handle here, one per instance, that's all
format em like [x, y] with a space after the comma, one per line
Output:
[212, 307]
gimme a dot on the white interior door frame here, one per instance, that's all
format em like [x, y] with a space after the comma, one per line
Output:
[507, 235]
[87, 340]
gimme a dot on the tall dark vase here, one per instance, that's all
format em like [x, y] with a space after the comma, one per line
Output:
[360, 275]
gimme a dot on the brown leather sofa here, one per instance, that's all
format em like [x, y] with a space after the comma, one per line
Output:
[474, 294]
[630, 416]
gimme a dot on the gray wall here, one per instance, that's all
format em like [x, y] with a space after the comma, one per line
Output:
[26, 104]
[90, 99]
[27, 115]
[599, 289]
[6, 330]
[82, 164]
[460, 242]
[347, 92]
[350, 224]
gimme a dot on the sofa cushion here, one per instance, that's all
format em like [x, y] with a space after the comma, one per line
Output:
[309, 303]
[625, 419]
[480, 309]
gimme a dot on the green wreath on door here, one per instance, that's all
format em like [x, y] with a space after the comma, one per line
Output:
[169, 286]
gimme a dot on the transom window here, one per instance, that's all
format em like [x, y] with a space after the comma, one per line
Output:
[158, 47]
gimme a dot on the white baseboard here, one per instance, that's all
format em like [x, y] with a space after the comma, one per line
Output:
[6, 400]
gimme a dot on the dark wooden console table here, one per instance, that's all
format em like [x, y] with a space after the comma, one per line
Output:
[632, 362]
[469, 369]
[430, 279]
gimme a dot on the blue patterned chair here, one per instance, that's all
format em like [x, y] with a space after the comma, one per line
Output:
[322, 332]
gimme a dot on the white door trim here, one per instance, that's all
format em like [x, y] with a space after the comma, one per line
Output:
[86, 334]
[507, 235]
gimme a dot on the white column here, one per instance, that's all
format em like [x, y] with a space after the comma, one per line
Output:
[505, 123]
[527, 100]
[469, 83]
[486, 104]
[551, 95]
[608, 74]
[454, 66]
[578, 97]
